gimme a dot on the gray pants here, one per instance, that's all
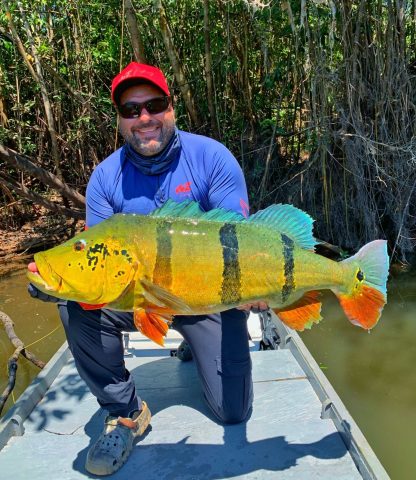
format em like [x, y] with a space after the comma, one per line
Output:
[219, 344]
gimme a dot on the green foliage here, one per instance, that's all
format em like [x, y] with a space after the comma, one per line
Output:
[318, 69]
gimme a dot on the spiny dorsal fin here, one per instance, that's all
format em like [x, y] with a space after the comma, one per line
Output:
[287, 219]
[192, 210]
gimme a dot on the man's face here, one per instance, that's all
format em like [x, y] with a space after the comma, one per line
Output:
[148, 134]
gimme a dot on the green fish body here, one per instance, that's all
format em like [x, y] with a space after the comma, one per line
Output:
[182, 261]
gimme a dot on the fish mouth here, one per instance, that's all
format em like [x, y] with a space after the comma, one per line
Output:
[40, 282]
[41, 275]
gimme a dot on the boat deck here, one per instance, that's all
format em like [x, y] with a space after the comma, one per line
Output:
[285, 436]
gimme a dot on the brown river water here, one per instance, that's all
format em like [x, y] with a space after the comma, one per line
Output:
[373, 373]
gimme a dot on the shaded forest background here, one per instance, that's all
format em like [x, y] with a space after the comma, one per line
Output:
[316, 99]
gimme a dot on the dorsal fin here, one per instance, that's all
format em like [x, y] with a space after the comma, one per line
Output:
[191, 210]
[287, 219]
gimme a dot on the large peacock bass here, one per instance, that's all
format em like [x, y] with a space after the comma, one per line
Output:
[182, 261]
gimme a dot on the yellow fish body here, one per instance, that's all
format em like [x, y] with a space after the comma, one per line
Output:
[182, 261]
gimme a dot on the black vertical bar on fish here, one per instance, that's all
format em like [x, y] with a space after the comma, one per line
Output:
[289, 284]
[162, 273]
[231, 275]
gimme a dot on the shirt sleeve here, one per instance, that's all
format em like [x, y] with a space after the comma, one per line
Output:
[227, 186]
[98, 206]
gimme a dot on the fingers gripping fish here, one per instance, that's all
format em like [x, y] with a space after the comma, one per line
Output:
[182, 261]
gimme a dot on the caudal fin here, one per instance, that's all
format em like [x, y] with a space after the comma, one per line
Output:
[367, 294]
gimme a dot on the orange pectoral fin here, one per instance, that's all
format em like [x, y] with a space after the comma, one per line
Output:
[153, 326]
[87, 306]
[303, 313]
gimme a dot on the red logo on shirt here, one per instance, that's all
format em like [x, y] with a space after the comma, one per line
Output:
[183, 188]
[244, 207]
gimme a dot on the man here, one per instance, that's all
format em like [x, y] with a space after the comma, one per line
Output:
[157, 162]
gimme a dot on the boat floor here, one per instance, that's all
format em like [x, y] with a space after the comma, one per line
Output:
[284, 437]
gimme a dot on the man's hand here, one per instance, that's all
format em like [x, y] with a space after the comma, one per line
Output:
[36, 293]
[255, 307]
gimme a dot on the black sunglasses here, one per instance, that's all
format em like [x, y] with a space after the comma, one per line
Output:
[152, 106]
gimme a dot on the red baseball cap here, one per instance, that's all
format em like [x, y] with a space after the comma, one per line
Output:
[134, 74]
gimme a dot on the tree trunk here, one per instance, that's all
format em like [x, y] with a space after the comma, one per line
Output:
[208, 72]
[178, 70]
[135, 37]
[38, 76]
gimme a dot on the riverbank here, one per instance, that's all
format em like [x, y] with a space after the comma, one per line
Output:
[17, 245]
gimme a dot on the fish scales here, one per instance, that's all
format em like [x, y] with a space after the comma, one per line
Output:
[162, 271]
[180, 260]
[211, 263]
[223, 253]
[220, 258]
[196, 261]
[231, 274]
[277, 270]
[260, 261]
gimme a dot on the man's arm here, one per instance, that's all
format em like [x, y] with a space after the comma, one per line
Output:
[227, 186]
[98, 207]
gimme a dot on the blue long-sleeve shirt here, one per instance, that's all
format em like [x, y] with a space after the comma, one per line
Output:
[204, 171]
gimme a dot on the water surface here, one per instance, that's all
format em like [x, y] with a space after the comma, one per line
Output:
[34, 321]
[374, 373]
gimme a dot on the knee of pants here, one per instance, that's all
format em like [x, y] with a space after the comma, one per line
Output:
[237, 392]
[235, 408]
[230, 418]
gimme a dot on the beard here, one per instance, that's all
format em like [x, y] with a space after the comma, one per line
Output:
[153, 145]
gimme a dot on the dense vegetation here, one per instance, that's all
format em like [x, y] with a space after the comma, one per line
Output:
[316, 99]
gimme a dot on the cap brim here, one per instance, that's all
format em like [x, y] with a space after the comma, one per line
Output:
[132, 82]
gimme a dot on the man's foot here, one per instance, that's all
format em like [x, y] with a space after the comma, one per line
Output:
[114, 445]
[184, 352]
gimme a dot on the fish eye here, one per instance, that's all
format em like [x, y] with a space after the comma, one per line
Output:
[79, 245]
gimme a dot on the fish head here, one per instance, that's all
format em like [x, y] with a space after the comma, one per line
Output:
[92, 267]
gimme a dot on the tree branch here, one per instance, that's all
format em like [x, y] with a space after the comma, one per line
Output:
[176, 64]
[34, 197]
[21, 163]
[12, 363]
[135, 37]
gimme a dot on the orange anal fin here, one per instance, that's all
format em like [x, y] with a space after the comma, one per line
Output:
[87, 306]
[152, 325]
[303, 313]
[364, 307]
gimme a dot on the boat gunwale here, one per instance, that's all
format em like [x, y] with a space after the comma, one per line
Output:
[366, 461]
[12, 424]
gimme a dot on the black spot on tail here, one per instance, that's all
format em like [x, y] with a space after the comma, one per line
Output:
[162, 273]
[231, 275]
[289, 284]
[360, 276]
